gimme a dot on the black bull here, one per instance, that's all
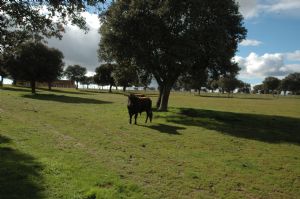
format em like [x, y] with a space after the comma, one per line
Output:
[137, 104]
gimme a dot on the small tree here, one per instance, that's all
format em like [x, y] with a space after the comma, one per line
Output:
[144, 78]
[125, 75]
[54, 67]
[271, 84]
[228, 84]
[87, 81]
[291, 83]
[103, 75]
[258, 88]
[35, 62]
[213, 84]
[75, 73]
[244, 87]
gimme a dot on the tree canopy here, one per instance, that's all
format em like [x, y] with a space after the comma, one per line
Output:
[36, 62]
[167, 38]
[291, 83]
[25, 20]
[104, 76]
[271, 84]
[75, 73]
[228, 84]
[125, 75]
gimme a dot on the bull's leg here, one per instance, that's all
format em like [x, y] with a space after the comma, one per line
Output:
[135, 117]
[150, 115]
[147, 115]
[130, 116]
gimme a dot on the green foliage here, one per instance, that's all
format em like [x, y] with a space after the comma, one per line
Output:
[144, 78]
[167, 38]
[194, 79]
[258, 88]
[31, 17]
[271, 84]
[244, 87]
[291, 83]
[104, 76]
[87, 81]
[36, 62]
[213, 84]
[228, 83]
[75, 73]
[125, 74]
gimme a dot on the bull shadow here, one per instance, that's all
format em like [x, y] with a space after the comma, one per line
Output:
[19, 174]
[164, 128]
[66, 99]
[266, 128]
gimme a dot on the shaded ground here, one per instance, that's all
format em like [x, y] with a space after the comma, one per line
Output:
[265, 128]
[65, 99]
[19, 174]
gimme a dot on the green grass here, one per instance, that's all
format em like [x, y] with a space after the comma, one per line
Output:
[78, 144]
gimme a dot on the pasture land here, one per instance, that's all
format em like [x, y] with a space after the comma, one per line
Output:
[78, 144]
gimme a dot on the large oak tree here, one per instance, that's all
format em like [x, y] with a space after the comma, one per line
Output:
[167, 38]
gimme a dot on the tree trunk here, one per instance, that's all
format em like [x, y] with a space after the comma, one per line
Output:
[76, 85]
[124, 88]
[14, 83]
[32, 85]
[49, 86]
[165, 98]
[110, 86]
[1, 82]
[199, 91]
[159, 97]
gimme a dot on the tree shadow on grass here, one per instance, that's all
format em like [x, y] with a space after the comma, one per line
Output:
[65, 91]
[65, 99]
[19, 174]
[164, 128]
[22, 89]
[272, 129]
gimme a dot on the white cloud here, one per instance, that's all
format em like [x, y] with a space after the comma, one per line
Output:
[248, 8]
[78, 47]
[266, 65]
[283, 5]
[253, 8]
[294, 56]
[250, 42]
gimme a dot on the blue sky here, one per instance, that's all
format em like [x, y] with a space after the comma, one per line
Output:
[272, 47]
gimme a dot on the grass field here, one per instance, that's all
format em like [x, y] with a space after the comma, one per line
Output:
[78, 144]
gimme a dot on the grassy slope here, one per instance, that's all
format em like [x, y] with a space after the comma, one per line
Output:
[67, 144]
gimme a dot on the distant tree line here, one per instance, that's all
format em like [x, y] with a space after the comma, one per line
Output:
[273, 85]
[203, 82]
